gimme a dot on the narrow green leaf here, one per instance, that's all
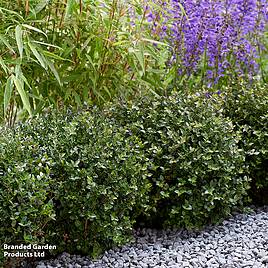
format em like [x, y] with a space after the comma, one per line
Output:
[140, 56]
[24, 97]
[38, 56]
[18, 35]
[38, 108]
[85, 45]
[8, 92]
[91, 62]
[41, 5]
[99, 95]
[34, 29]
[67, 93]
[3, 65]
[46, 44]
[54, 71]
[155, 42]
[25, 80]
[107, 91]
[93, 78]
[18, 72]
[35, 97]
[77, 99]
[3, 39]
[54, 56]
[11, 12]
[69, 7]
[120, 43]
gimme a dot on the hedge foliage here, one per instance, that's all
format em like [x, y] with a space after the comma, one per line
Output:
[72, 181]
[81, 181]
[248, 109]
[193, 156]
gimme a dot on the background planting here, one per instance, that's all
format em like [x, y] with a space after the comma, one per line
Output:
[57, 53]
[212, 42]
[60, 53]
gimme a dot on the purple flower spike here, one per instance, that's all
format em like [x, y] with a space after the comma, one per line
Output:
[222, 34]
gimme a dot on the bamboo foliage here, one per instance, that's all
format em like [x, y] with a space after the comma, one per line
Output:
[70, 52]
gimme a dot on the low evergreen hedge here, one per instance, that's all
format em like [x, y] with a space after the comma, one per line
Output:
[193, 155]
[81, 181]
[248, 109]
[74, 181]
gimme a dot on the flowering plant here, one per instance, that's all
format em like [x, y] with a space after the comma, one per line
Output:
[213, 39]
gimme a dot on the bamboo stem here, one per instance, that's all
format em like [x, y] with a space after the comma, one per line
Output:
[81, 6]
[27, 7]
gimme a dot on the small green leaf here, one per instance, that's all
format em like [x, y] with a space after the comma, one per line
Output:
[3, 65]
[120, 43]
[69, 7]
[155, 42]
[188, 207]
[11, 12]
[77, 99]
[41, 5]
[46, 44]
[140, 57]
[24, 79]
[54, 56]
[6, 43]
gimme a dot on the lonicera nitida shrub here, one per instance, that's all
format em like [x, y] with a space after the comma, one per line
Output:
[248, 109]
[103, 172]
[75, 181]
[193, 156]
[26, 197]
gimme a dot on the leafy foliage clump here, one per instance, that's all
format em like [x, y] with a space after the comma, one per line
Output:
[82, 180]
[248, 109]
[57, 53]
[193, 156]
[74, 181]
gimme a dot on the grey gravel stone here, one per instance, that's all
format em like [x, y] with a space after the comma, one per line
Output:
[265, 259]
[239, 242]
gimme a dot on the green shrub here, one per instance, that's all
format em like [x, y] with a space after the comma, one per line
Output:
[26, 198]
[74, 181]
[193, 156]
[104, 175]
[81, 180]
[248, 109]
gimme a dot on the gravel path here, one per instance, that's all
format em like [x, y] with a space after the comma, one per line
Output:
[241, 241]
